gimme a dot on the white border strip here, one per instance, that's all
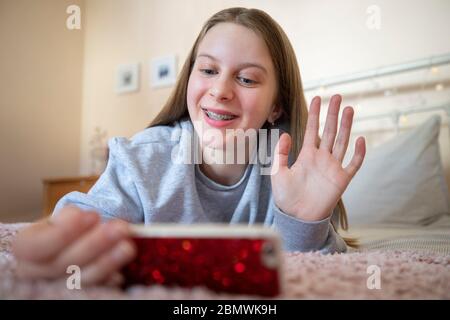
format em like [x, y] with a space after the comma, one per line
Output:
[203, 231]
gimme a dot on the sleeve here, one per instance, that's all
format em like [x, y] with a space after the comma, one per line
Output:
[300, 235]
[114, 195]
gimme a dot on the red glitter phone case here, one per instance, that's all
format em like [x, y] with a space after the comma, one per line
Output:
[227, 258]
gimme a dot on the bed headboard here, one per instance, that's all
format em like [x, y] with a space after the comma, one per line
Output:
[393, 99]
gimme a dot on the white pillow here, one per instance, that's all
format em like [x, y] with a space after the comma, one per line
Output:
[401, 181]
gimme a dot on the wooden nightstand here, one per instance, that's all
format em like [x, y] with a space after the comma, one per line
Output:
[55, 189]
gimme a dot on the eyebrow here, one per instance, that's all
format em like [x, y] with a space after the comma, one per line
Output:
[240, 66]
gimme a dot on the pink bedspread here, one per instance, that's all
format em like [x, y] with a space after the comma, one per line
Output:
[404, 275]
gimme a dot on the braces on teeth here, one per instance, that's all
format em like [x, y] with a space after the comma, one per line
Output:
[216, 116]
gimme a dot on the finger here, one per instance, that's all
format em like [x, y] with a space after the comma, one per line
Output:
[329, 133]
[42, 241]
[281, 153]
[108, 263]
[30, 270]
[312, 124]
[340, 147]
[358, 157]
[91, 273]
[115, 280]
[91, 245]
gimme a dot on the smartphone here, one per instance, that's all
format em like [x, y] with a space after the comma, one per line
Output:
[222, 257]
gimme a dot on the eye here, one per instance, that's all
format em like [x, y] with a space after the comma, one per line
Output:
[208, 72]
[246, 81]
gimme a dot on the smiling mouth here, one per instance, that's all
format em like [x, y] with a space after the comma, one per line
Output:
[218, 117]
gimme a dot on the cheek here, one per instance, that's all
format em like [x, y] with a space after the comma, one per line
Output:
[256, 104]
[197, 87]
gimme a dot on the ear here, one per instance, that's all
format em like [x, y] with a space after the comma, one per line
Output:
[275, 113]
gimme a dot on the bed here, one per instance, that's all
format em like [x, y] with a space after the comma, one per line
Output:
[416, 270]
[401, 220]
[398, 206]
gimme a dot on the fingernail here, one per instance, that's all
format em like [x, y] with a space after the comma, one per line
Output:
[55, 218]
[122, 251]
[89, 218]
[116, 231]
[60, 216]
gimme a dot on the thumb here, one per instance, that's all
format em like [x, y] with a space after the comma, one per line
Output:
[281, 153]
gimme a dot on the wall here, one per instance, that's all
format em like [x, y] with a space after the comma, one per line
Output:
[57, 85]
[40, 102]
[330, 38]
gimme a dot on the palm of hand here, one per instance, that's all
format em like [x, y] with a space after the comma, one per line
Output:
[313, 185]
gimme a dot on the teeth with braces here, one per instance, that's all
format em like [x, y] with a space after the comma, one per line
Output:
[216, 116]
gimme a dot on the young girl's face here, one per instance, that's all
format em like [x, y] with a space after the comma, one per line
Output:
[232, 84]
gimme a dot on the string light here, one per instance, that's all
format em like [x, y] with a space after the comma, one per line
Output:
[389, 92]
[322, 90]
[434, 70]
[403, 119]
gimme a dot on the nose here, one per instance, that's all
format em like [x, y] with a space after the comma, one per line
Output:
[221, 90]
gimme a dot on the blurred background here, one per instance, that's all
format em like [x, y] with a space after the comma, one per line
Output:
[59, 102]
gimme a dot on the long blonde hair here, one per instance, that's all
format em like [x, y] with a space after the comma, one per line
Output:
[290, 94]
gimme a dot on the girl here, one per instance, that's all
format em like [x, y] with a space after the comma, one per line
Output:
[241, 74]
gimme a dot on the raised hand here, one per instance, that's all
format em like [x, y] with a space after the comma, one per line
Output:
[312, 186]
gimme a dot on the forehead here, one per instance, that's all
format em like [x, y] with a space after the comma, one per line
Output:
[231, 43]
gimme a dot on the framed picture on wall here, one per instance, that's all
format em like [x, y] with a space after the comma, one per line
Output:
[163, 71]
[127, 78]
